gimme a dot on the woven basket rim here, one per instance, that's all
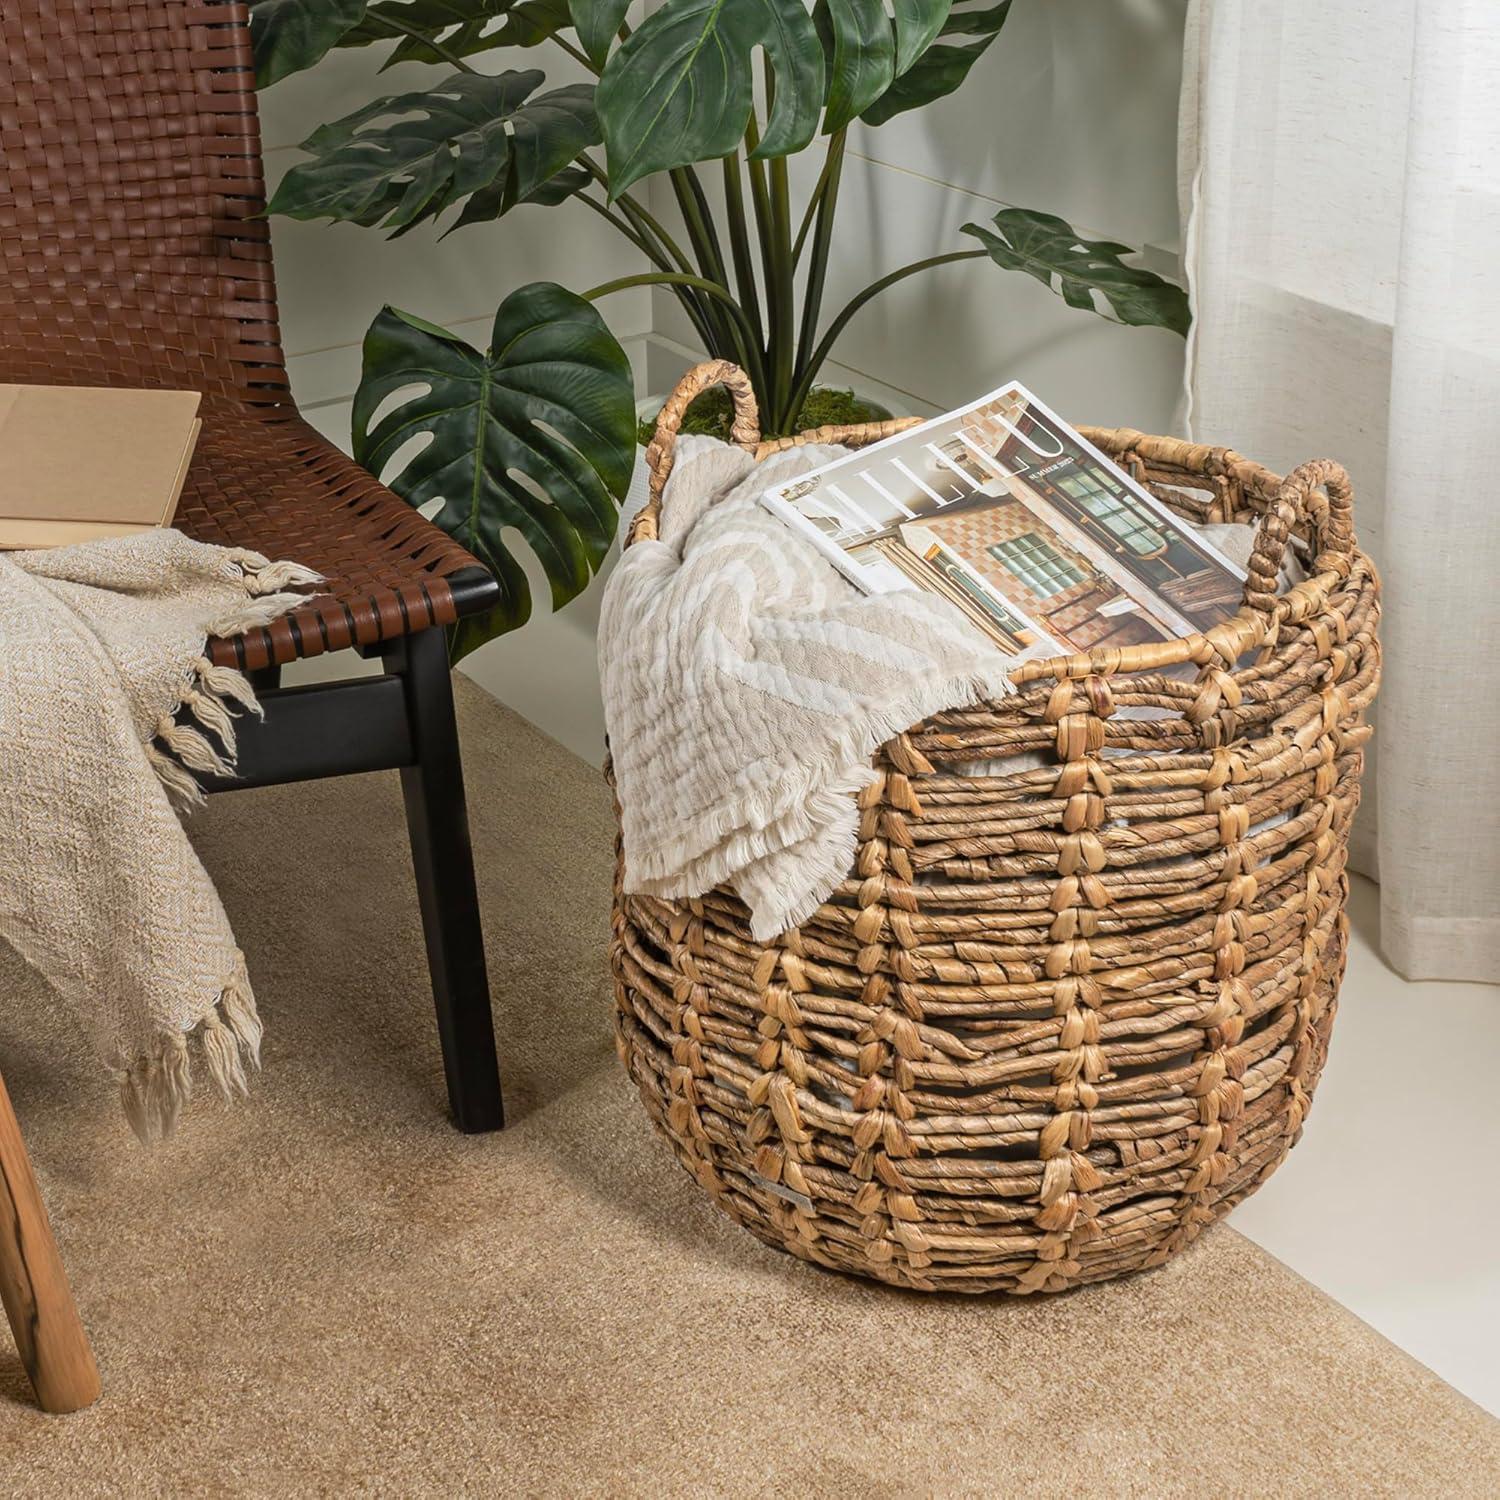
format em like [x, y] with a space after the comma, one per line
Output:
[1316, 498]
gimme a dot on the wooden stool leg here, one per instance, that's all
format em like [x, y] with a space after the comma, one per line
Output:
[49, 1334]
[438, 821]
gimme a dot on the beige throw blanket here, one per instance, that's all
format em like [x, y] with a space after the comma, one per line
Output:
[747, 683]
[101, 649]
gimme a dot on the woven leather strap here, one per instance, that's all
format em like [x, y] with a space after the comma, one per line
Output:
[134, 251]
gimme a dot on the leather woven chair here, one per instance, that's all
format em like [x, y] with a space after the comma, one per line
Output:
[134, 251]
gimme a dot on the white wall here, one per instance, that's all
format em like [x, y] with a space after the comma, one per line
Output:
[1073, 110]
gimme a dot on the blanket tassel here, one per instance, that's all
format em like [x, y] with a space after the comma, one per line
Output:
[214, 694]
[156, 1086]
[212, 698]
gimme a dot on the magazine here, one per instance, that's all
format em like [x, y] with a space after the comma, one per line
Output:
[1004, 509]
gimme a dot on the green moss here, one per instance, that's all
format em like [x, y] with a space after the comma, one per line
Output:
[828, 407]
[712, 413]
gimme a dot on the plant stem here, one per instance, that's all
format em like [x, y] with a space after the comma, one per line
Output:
[817, 273]
[653, 253]
[647, 226]
[783, 325]
[699, 283]
[780, 273]
[739, 245]
[710, 259]
[835, 328]
[687, 298]
[817, 197]
[636, 212]
[577, 53]
[650, 229]
[435, 46]
[701, 232]
[664, 278]
[760, 198]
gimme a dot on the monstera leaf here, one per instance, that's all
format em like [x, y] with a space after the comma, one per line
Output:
[1051, 250]
[532, 22]
[545, 136]
[942, 67]
[290, 35]
[535, 436]
[680, 89]
[597, 23]
[407, 157]
[418, 27]
[867, 49]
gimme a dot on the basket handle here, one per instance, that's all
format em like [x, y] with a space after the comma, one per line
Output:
[661, 450]
[1330, 522]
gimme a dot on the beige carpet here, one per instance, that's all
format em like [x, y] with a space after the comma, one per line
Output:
[326, 1290]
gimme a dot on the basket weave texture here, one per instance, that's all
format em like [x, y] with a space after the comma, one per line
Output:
[1055, 1021]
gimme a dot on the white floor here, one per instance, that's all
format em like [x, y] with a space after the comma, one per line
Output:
[1391, 1201]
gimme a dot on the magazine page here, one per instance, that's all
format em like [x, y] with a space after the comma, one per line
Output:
[1004, 509]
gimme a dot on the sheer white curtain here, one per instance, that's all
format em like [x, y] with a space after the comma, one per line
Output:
[1341, 188]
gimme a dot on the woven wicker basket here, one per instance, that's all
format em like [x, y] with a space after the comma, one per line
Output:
[1057, 1021]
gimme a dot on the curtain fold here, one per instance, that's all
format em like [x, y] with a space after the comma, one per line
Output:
[1340, 181]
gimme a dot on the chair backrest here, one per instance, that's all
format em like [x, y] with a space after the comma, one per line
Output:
[132, 251]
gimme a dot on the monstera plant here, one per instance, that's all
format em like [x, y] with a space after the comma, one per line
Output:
[535, 435]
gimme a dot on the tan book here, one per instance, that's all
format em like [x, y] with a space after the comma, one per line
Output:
[82, 462]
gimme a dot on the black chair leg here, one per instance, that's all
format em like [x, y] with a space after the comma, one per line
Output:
[444, 859]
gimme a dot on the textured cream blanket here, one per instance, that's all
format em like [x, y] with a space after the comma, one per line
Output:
[746, 684]
[101, 648]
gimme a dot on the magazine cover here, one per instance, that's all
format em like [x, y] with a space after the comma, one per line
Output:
[1037, 537]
